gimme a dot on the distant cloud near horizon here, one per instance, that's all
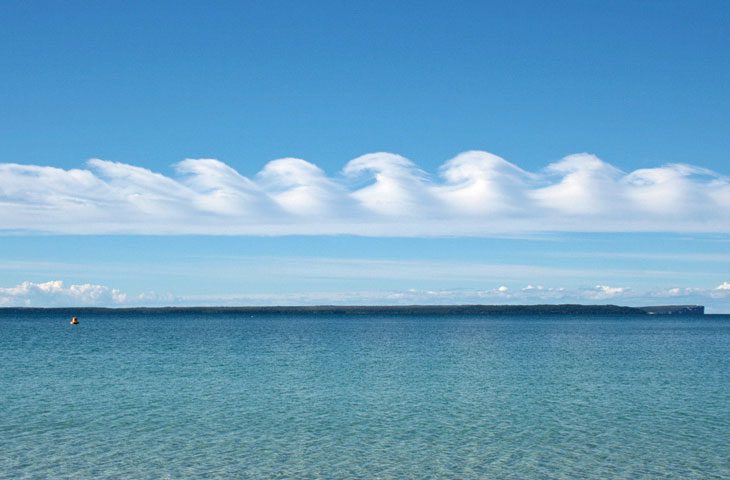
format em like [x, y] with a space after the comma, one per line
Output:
[57, 294]
[379, 194]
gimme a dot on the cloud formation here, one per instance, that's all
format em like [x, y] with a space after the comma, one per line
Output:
[378, 194]
[56, 294]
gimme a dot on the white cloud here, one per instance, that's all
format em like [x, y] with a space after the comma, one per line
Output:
[722, 291]
[604, 292]
[379, 194]
[399, 187]
[56, 294]
[479, 183]
[586, 186]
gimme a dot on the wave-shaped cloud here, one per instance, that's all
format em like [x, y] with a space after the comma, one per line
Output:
[378, 194]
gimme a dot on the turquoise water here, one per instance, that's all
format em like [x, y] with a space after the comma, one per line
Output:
[225, 395]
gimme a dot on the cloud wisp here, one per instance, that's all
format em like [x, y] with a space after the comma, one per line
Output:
[378, 194]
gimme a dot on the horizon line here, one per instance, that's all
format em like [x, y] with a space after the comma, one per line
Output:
[549, 308]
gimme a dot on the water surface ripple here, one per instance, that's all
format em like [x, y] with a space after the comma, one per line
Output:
[134, 395]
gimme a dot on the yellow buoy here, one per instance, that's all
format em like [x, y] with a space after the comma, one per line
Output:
[74, 321]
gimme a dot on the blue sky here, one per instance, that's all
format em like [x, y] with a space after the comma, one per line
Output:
[633, 88]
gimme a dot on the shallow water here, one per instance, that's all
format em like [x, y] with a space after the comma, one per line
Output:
[133, 395]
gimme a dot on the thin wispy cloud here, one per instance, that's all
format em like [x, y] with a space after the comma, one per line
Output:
[378, 194]
[673, 257]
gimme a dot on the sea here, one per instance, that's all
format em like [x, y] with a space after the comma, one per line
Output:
[136, 395]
